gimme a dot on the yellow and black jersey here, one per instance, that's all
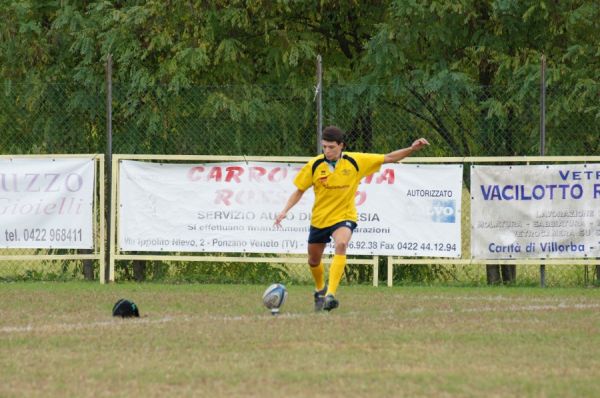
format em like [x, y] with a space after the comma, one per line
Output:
[335, 188]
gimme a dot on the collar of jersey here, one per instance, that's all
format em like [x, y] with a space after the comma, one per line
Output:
[334, 162]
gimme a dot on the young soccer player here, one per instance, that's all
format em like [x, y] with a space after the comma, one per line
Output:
[335, 176]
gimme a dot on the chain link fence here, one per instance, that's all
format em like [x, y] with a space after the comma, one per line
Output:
[51, 119]
[230, 120]
[281, 121]
[272, 120]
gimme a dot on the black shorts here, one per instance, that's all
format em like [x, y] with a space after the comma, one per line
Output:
[323, 235]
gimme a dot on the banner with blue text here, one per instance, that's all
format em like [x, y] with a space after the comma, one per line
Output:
[408, 210]
[542, 211]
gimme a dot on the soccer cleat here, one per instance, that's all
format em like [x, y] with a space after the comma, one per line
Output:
[320, 298]
[330, 303]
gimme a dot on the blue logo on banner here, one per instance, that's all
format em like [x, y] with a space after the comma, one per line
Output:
[443, 211]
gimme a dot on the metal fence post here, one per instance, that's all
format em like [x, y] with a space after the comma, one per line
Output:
[108, 161]
[543, 139]
[319, 100]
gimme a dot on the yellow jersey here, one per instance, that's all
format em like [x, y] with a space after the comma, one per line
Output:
[336, 188]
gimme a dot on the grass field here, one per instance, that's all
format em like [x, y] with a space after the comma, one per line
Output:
[59, 339]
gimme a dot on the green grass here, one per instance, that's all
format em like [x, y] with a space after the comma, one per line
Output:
[59, 339]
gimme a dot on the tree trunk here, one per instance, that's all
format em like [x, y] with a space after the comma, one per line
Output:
[367, 130]
[139, 270]
[360, 136]
[88, 270]
[88, 267]
[509, 273]
[493, 274]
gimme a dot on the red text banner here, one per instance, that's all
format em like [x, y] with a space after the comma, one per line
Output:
[411, 210]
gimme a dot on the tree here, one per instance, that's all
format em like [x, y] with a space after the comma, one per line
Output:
[237, 77]
[471, 71]
[471, 68]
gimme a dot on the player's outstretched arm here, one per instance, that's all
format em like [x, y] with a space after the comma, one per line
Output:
[400, 154]
[293, 199]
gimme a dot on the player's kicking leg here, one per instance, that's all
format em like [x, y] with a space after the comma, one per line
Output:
[341, 237]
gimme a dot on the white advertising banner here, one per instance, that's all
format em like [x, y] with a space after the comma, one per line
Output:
[404, 210]
[535, 211]
[46, 203]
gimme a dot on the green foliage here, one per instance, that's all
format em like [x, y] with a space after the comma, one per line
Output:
[233, 273]
[57, 271]
[425, 274]
[237, 77]
[253, 273]
[471, 70]
[193, 77]
[359, 273]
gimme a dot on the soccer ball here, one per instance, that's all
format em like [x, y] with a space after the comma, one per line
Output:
[274, 297]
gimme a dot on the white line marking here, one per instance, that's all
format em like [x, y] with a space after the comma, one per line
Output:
[118, 322]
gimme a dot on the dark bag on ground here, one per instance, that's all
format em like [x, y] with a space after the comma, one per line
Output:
[125, 308]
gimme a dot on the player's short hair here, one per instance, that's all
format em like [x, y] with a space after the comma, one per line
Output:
[333, 133]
